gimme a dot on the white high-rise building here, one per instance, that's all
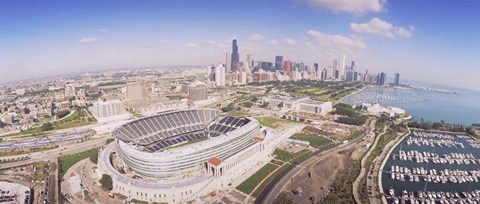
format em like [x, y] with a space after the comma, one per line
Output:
[102, 109]
[341, 74]
[228, 62]
[249, 62]
[70, 90]
[220, 75]
[242, 77]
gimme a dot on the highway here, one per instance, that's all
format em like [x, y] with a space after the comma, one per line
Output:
[53, 154]
[273, 189]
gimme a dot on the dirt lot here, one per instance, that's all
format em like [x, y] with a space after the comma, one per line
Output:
[335, 131]
[324, 172]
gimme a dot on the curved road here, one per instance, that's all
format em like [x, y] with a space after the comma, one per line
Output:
[363, 168]
[273, 189]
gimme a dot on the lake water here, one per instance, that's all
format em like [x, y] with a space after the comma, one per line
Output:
[462, 108]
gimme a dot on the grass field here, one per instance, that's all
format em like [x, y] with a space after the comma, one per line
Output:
[268, 180]
[65, 162]
[269, 121]
[355, 134]
[286, 156]
[236, 113]
[316, 141]
[77, 119]
[248, 185]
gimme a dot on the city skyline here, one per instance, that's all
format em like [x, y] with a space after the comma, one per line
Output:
[56, 38]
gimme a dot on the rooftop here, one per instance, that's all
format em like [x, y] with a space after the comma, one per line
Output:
[214, 161]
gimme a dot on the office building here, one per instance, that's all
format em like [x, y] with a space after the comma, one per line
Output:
[220, 75]
[278, 62]
[397, 79]
[135, 91]
[235, 55]
[103, 109]
[228, 62]
[341, 72]
[249, 62]
[382, 78]
[287, 66]
[197, 91]
[70, 90]
[315, 66]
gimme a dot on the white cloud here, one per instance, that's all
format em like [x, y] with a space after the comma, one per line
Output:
[309, 45]
[165, 41]
[256, 37]
[216, 44]
[220, 45]
[349, 6]
[103, 30]
[273, 42]
[337, 40]
[192, 45]
[209, 42]
[289, 41]
[87, 40]
[378, 26]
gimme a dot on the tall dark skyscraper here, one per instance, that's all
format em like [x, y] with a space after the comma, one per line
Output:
[397, 79]
[235, 56]
[315, 65]
[383, 78]
[352, 67]
[278, 62]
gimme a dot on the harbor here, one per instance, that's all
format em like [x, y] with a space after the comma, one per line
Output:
[433, 167]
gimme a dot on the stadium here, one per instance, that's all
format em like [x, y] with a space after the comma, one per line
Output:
[180, 156]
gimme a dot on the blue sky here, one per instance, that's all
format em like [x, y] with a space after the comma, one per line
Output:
[429, 40]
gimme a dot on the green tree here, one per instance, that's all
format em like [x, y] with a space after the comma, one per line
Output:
[265, 105]
[94, 158]
[106, 182]
[248, 104]
[63, 113]
[46, 127]
[109, 140]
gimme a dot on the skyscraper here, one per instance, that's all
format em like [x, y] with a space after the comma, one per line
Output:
[249, 62]
[228, 62]
[315, 65]
[397, 79]
[383, 78]
[287, 66]
[352, 67]
[235, 55]
[365, 76]
[334, 64]
[341, 74]
[220, 75]
[278, 62]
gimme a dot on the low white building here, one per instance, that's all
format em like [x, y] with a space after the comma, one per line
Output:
[299, 104]
[297, 142]
[377, 109]
[103, 109]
